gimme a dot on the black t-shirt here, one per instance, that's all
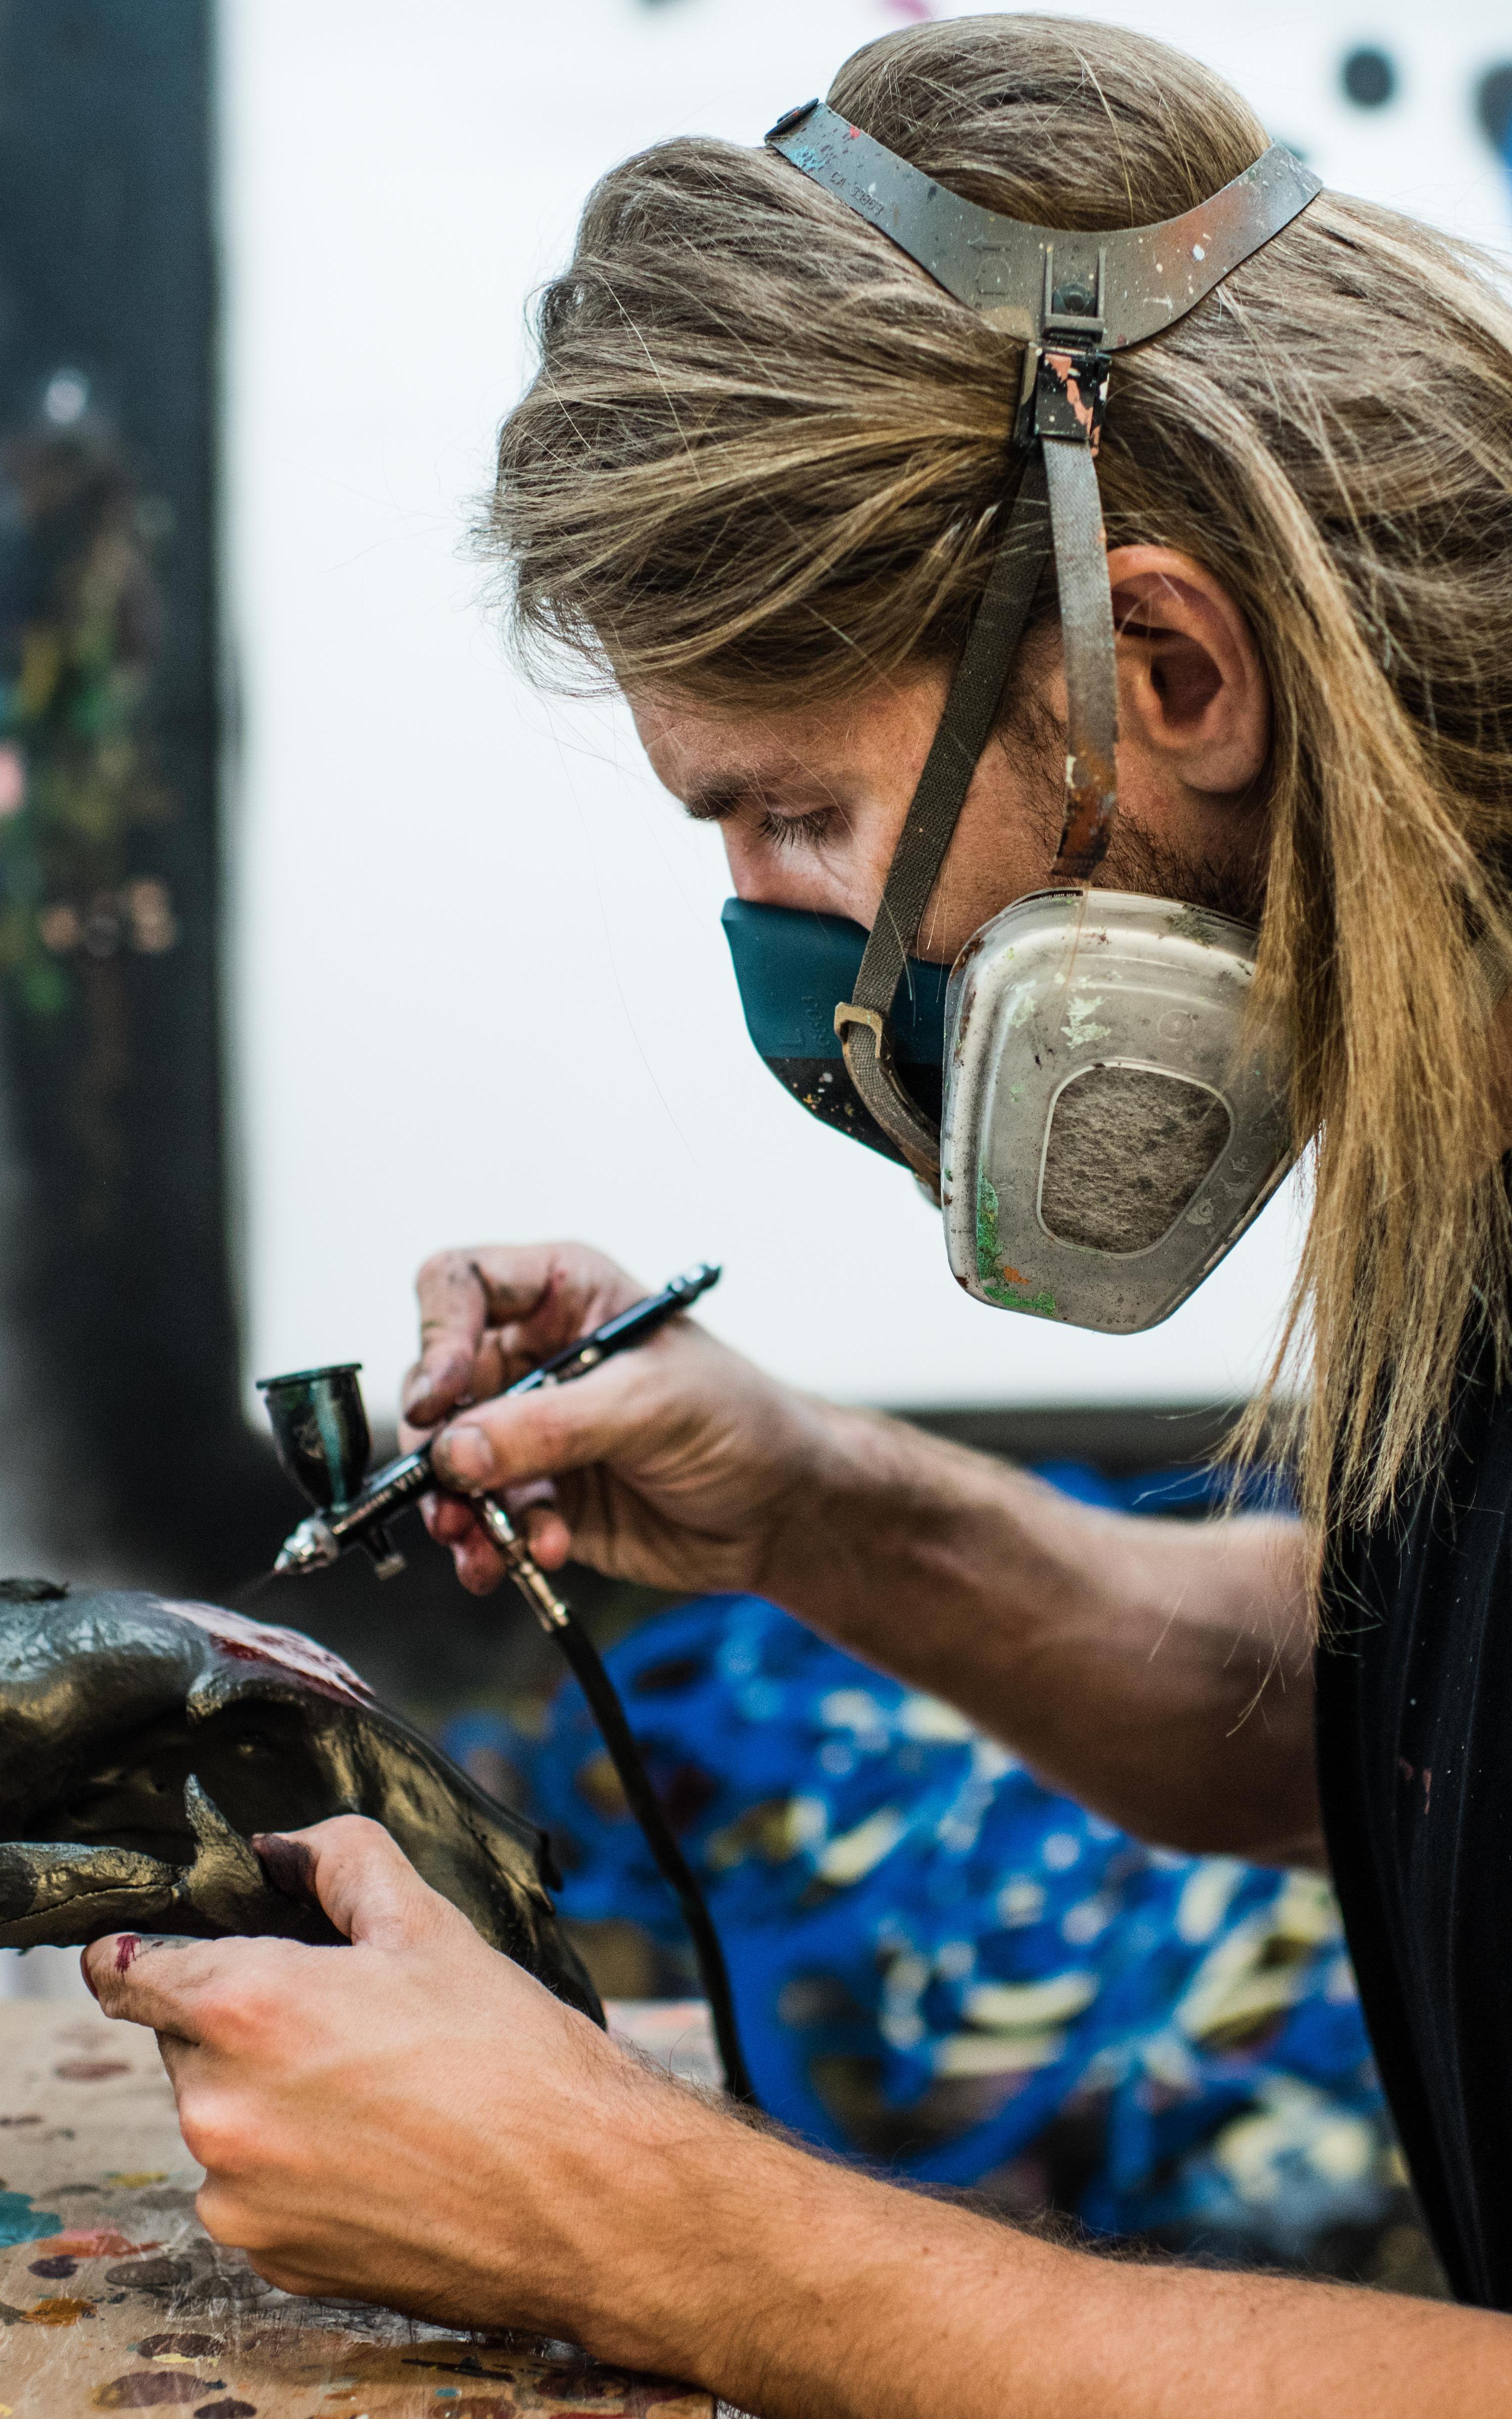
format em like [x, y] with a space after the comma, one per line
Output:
[1414, 1744]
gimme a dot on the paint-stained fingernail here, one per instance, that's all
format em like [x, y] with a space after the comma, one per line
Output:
[465, 1455]
[289, 1865]
[445, 1376]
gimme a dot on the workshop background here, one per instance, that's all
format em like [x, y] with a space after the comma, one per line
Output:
[324, 941]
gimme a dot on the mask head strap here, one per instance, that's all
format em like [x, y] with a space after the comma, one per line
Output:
[1073, 301]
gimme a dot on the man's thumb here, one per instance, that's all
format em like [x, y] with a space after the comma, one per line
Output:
[359, 1874]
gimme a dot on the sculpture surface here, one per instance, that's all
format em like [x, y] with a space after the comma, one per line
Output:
[145, 1743]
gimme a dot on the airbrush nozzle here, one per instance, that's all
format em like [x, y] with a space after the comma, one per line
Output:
[311, 1546]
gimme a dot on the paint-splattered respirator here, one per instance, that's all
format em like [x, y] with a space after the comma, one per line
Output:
[1083, 1090]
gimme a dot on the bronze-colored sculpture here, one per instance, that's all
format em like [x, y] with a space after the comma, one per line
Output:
[144, 1741]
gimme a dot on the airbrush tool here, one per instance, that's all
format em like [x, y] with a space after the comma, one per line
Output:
[320, 1429]
[321, 1433]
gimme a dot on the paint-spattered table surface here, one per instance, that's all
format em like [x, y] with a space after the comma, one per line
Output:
[114, 2299]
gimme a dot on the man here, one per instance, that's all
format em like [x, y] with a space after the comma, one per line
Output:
[761, 479]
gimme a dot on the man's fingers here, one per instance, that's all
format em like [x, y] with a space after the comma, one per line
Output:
[454, 1313]
[542, 1296]
[153, 1982]
[363, 1880]
[450, 1518]
[178, 2057]
[549, 1537]
[518, 1437]
[455, 1525]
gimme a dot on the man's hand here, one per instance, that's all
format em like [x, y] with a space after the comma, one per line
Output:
[678, 1464]
[1158, 1670]
[411, 2120]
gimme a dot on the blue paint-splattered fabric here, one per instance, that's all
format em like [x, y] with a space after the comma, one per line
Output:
[959, 1973]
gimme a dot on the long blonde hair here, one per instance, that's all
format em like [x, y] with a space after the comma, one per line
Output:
[764, 458]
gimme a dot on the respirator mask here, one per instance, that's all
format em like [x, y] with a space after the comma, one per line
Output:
[1081, 1089]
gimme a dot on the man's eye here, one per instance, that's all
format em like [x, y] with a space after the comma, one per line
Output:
[797, 831]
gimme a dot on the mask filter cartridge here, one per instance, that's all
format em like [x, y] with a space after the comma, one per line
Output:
[1127, 1149]
[1110, 1125]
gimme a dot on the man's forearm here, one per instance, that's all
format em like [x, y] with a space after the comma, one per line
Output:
[800, 2290]
[1158, 1670]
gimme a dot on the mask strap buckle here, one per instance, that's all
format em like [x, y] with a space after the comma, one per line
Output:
[877, 1078]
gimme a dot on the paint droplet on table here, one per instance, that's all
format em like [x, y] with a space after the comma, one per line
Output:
[149, 2389]
[150, 2275]
[179, 2346]
[226, 2409]
[60, 2266]
[20, 2221]
[93, 2242]
[133, 2178]
[56, 2311]
[91, 2069]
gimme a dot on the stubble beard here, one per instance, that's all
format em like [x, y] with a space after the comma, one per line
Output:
[1227, 884]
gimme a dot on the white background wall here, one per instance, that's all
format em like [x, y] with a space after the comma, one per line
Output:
[479, 987]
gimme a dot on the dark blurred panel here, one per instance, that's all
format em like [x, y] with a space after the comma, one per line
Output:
[1116, 1438]
[109, 746]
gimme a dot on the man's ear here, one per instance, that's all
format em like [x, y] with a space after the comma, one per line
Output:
[1193, 694]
